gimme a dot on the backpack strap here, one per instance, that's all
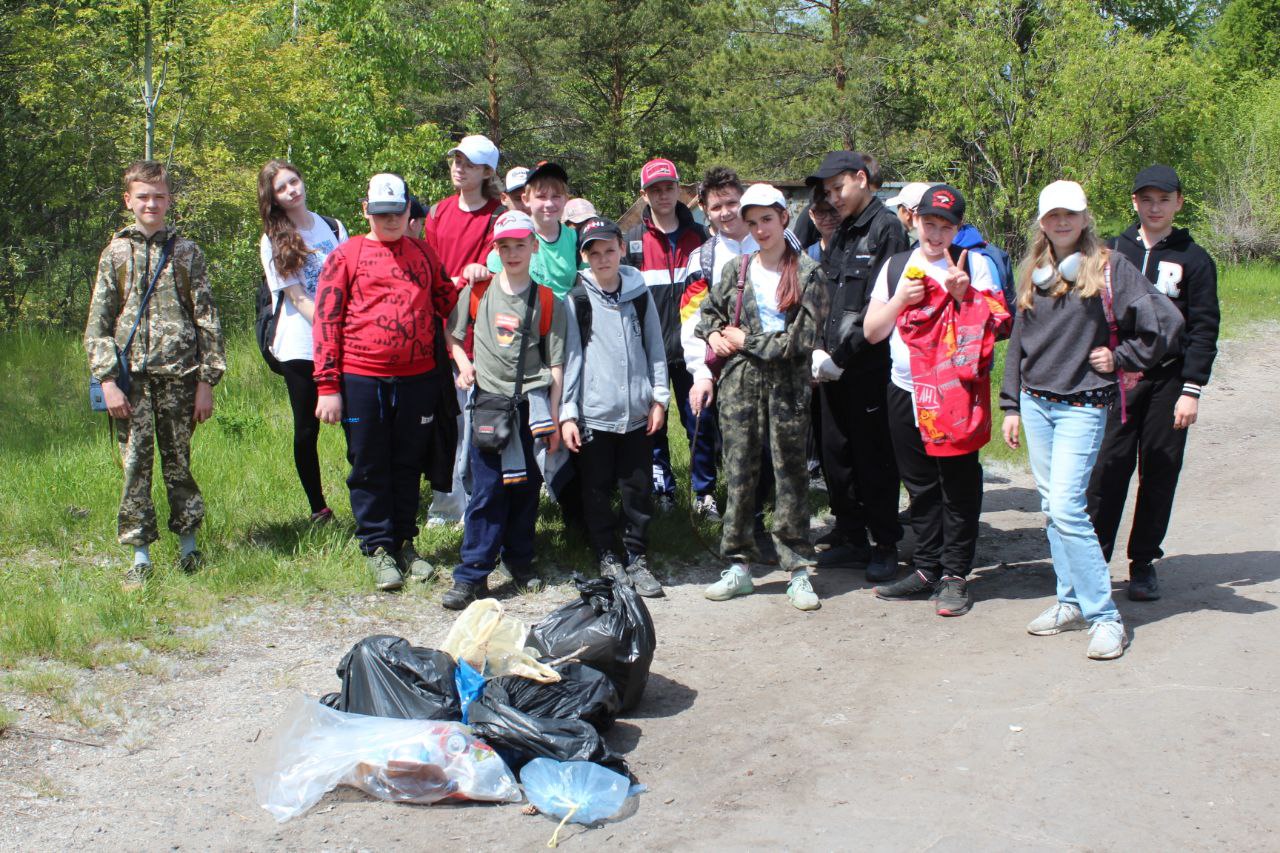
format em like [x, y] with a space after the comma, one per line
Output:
[897, 266]
[582, 310]
[707, 259]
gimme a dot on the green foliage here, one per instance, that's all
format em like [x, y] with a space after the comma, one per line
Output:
[1247, 36]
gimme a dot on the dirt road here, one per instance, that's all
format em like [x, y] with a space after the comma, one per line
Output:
[866, 725]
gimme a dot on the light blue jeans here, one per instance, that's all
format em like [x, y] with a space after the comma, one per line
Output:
[1063, 443]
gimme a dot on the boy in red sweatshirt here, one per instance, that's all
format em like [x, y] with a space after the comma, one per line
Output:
[941, 319]
[377, 303]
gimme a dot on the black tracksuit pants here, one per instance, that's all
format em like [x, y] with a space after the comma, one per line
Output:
[388, 423]
[1148, 442]
[946, 494]
[857, 458]
[610, 461]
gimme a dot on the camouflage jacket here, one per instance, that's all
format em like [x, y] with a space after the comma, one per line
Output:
[179, 334]
[804, 320]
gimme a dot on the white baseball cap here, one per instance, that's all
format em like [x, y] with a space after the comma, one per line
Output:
[387, 194]
[513, 223]
[517, 178]
[909, 196]
[479, 150]
[1062, 195]
[762, 195]
[579, 210]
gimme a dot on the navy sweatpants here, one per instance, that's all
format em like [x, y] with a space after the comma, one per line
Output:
[388, 423]
[702, 454]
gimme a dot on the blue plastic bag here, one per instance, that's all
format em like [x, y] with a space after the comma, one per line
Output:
[577, 791]
[470, 684]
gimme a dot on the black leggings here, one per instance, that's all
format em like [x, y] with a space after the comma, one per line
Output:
[299, 379]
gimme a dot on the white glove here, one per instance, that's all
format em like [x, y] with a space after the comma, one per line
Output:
[823, 368]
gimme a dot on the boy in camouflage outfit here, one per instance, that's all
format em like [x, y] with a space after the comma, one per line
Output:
[764, 391]
[175, 360]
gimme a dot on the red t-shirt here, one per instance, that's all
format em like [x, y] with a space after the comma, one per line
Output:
[376, 310]
[460, 237]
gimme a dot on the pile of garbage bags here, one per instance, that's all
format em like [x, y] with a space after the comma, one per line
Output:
[421, 725]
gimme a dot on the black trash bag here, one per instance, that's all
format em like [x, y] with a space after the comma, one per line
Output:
[384, 676]
[519, 737]
[582, 693]
[613, 624]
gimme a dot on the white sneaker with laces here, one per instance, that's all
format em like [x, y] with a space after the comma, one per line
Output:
[706, 507]
[1107, 640]
[1058, 618]
[801, 593]
[734, 581]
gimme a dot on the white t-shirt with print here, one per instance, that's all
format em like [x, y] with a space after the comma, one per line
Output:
[764, 286]
[979, 278]
[293, 332]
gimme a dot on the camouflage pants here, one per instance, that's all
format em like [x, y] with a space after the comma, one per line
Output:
[765, 405]
[163, 411]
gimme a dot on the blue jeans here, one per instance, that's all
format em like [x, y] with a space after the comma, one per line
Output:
[1063, 443]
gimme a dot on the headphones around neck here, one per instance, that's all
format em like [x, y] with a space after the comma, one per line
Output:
[1068, 268]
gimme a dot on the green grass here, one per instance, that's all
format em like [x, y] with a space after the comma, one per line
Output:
[60, 565]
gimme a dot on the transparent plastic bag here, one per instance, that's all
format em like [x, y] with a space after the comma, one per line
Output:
[408, 761]
[576, 791]
[484, 636]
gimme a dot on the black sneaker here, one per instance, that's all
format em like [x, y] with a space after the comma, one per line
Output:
[612, 569]
[884, 563]
[526, 580]
[1143, 585]
[458, 596]
[847, 555]
[953, 596]
[912, 585]
[642, 579]
[191, 563]
[830, 539]
[664, 503]
[136, 576]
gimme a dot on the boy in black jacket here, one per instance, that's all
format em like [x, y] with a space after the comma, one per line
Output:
[1165, 403]
[857, 453]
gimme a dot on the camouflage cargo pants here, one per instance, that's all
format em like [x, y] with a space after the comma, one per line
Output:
[163, 411]
[766, 404]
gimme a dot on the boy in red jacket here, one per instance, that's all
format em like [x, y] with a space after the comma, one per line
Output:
[942, 328]
[375, 318]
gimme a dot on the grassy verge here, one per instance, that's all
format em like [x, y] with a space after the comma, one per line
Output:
[60, 484]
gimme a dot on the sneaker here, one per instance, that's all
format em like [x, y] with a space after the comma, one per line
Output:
[412, 565]
[664, 503]
[847, 555]
[458, 596]
[191, 563]
[912, 585]
[734, 581]
[705, 506]
[612, 569]
[324, 516]
[830, 539]
[1057, 618]
[135, 577]
[1107, 640]
[801, 593]
[642, 579]
[1143, 585]
[952, 596]
[526, 579]
[884, 563]
[386, 574]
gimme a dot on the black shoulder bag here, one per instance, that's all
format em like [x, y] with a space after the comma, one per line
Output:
[495, 418]
[97, 400]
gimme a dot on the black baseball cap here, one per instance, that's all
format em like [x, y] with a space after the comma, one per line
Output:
[942, 200]
[1160, 177]
[836, 162]
[597, 228]
[546, 169]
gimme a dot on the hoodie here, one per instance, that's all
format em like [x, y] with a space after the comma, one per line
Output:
[663, 260]
[612, 380]
[1186, 274]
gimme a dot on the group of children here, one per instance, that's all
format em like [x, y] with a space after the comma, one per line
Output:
[509, 336]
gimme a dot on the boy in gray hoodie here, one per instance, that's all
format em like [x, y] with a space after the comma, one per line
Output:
[615, 399]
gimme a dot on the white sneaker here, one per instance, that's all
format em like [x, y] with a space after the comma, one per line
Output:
[1107, 640]
[1058, 618]
[706, 507]
[734, 581]
[801, 593]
